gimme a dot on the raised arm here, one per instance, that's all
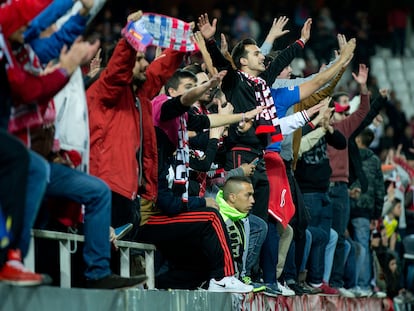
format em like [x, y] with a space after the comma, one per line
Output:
[118, 72]
[275, 32]
[206, 55]
[44, 87]
[309, 87]
[48, 48]
[160, 71]
[287, 55]
[194, 94]
[208, 30]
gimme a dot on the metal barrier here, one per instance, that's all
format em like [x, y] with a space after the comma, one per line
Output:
[65, 255]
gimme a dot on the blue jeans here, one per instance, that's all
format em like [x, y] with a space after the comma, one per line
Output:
[290, 272]
[362, 235]
[329, 255]
[39, 171]
[258, 232]
[338, 193]
[95, 195]
[270, 252]
[349, 264]
[320, 210]
[306, 251]
[355, 254]
[316, 261]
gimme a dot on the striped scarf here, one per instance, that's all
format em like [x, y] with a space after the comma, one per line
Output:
[267, 121]
[200, 177]
[160, 30]
[182, 160]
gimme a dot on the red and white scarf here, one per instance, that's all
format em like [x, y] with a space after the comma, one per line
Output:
[267, 120]
[182, 160]
[160, 30]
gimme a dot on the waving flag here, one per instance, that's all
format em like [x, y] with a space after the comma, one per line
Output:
[160, 30]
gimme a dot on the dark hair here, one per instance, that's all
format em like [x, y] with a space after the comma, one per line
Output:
[194, 68]
[336, 96]
[176, 78]
[233, 184]
[273, 54]
[239, 51]
[366, 136]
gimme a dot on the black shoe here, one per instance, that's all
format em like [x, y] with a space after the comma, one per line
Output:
[113, 281]
[297, 289]
[46, 279]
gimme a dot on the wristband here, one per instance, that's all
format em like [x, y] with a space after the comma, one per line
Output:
[301, 42]
[311, 125]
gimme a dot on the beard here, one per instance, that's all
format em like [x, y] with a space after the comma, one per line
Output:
[138, 81]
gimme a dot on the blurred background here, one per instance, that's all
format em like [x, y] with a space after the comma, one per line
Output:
[383, 29]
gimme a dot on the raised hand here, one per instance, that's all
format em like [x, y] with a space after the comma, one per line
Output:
[80, 53]
[362, 76]
[95, 64]
[306, 29]
[199, 39]
[216, 79]
[315, 109]
[134, 16]
[347, 52]
[383, 92]
[322, 111]
[224, 47]
[86, 7]
[276, 31]
[207, 29]
[341, 42]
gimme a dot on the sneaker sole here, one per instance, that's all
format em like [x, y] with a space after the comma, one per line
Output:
[228, 291]
[259, 289]
[272, 295]
[21, 283]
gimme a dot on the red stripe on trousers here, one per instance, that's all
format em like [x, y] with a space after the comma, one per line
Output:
[190, 217]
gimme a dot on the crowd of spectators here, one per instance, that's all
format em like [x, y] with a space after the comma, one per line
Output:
[280, 167]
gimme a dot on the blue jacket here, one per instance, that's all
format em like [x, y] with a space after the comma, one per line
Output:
[46, 18]
[49, 48]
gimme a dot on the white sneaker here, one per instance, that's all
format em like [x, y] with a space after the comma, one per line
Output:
[346, 293]
[364, 292]
[229, 284]
[379, 294]
[286, 291]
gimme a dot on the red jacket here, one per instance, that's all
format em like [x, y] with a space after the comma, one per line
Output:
[17, 13]
[115, 122]
[27, 88]
[339, 159]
